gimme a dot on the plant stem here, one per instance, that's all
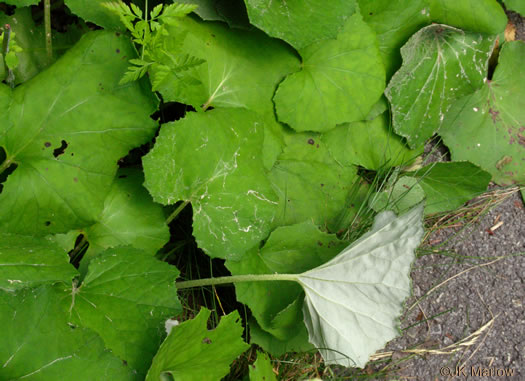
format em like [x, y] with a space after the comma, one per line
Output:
[148, 26]
[176, 212]
[5, 49]
[47, 21]
[236, 279]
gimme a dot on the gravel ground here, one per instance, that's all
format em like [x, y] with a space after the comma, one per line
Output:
[469, 300]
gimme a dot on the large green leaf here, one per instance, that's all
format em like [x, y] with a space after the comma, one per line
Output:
[340, 81]
[488, 127]
[483, 16]
[27, 261]
[515, 5]
[65, 130]
[31, 38]
[193, 353]
[297, 343]
[300, 22]
[213, 160]
[125, 297]
[440, 65]
[93, 11]
[130, 217]
[289, 249]
[353, 302]
[449, 185]
[311, 185]
[38, 344]
[370, 144]
[394, 21]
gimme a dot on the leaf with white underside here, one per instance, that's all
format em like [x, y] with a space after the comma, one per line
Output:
[214, 161]
[126, 297]
[340, 81]
[440, 65]
[38, 344]
[353, 302]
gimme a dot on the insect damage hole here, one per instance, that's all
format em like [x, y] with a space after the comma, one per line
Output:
[6, 167]
[60, 150]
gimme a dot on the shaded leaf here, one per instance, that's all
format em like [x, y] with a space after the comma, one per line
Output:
[353, 302]
[289, 249]
[213, 160]
[403, 195]
[31, 39]
[262, 370]
[515, 5]
[298, 342]
[21, 3]
[232, 12]
[81, 121]
[27, 261]
[299, 22]
[370, 144]
[37, 343]
[340, 81]
[440, 65]
[130, 217]
[93, 11]
[311, 185]
[394, 21]
[191, 352]
[487, 128]
[125, 297]
[449, 185]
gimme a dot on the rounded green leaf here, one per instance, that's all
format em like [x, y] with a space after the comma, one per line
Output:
[213, 160]
[482, 16]
[37, 343]
[262, 370]
[300, 22]
[65, 131]
[93, 11]
[340, 81]
[370, 144]
[488, 127]
[440, 65]
[394, 21]
[232, 12]
[191, 352]
[353, 302]
[125, 297]
[27, 261]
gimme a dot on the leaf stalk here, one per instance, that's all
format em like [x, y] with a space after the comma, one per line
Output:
[176, 212]
[236, 279]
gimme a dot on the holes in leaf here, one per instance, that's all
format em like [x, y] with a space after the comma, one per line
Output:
[171, 111]
[81, 246]
[10, 168]
[9, 10]
[60, 150]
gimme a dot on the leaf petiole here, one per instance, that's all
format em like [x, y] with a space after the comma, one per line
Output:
[236, 279]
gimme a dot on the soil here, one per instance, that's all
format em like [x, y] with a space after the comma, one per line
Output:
[492, 289]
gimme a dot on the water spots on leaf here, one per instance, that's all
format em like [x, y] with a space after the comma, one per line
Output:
[117, 51]
[60, 150]
[494, 114]
[47, 144]
[75, 179]
[319, 243]
[47, 223]
[311, 141]
[206, 340]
